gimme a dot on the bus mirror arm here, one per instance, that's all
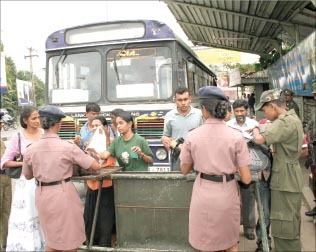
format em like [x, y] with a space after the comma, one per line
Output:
[118, 56]
[57, 68]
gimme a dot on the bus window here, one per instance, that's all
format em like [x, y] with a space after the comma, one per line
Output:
[199, 79]
[134, 74]
[75, 78]
[190, 73]
[165, 80]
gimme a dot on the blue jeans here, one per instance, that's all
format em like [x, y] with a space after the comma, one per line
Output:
[175, 163]
[265, 195]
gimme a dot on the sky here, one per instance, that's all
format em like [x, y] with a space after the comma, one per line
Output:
[27, 24]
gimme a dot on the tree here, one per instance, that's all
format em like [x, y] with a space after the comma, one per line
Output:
[9, 99]
[243, 68]
[268, 59]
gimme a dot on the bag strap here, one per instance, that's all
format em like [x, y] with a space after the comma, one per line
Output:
[19, 142]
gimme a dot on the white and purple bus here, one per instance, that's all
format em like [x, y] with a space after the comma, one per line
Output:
[132, 65]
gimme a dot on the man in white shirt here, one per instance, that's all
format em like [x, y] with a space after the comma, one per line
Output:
[244, 123]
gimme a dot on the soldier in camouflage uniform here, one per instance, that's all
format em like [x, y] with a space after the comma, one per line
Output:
[290, 104]
[285, 133]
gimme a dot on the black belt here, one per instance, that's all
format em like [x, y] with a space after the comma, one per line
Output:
[51, 183]
[218, 178]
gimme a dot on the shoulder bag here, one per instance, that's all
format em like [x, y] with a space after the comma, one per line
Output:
[15, 172]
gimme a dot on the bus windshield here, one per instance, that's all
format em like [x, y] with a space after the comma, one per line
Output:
[74, 78]
[139, 74]
[132, 74]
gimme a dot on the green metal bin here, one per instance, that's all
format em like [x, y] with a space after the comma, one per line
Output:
[152, 210]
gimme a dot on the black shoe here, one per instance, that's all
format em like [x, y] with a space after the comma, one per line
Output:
[260, 247]
[250, 236]
[311, 213]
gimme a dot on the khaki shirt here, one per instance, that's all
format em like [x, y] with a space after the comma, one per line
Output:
[293, 105]
[286, 135]
[2, 148]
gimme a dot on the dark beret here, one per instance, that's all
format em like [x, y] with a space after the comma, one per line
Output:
[51, 111]
[211, 92]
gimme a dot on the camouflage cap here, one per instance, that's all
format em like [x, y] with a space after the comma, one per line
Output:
[288, 91]
[267, 96]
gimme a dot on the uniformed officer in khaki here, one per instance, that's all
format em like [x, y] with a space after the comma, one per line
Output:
[290, 103]
[5, 200]
[285, 133]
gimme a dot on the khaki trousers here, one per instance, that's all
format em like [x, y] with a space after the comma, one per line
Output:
[286, 220]
[5, 208]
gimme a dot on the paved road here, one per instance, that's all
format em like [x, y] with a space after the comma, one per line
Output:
[308, 227]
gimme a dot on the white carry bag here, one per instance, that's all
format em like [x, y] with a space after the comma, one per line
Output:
[98, 141]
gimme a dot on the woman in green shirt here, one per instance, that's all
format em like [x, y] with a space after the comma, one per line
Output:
[130, 149]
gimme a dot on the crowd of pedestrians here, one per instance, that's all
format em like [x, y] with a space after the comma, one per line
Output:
[214, 146]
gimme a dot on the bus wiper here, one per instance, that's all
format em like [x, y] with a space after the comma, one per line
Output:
[57, 68]
[117, 57]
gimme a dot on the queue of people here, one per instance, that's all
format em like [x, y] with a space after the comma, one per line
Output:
[39, 199]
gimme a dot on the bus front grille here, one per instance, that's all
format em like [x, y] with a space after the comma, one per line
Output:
[67, 129]
[150, 128]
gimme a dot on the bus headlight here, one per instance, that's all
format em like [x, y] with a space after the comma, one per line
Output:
[161, 154]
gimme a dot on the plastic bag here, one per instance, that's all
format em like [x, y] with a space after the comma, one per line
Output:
[98, 141]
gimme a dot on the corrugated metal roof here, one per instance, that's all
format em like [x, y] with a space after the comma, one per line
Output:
[253, 26]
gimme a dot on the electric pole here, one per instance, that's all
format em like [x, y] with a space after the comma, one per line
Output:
[31, 50]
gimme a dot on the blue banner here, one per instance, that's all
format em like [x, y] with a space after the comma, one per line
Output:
[296, 70]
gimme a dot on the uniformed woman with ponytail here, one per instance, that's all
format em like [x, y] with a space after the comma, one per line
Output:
[217, 152]
[51, 161]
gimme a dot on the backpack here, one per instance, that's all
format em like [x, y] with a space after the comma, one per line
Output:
[261, 157]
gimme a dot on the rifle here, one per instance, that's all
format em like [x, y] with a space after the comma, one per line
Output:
[311, 142]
